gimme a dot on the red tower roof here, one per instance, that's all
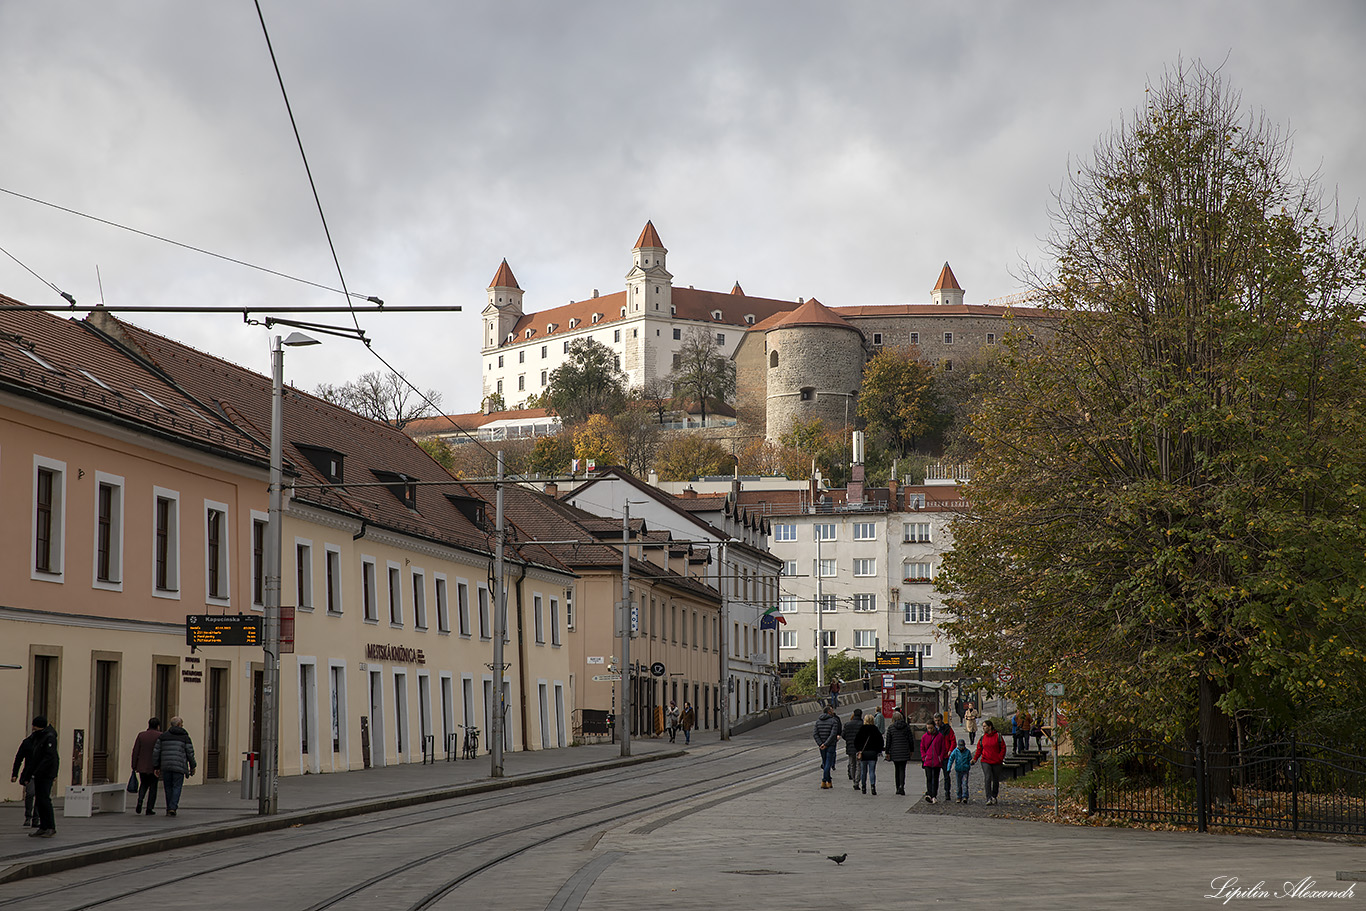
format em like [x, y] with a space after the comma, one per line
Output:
[813, 313]
[946, 280]
[649, 237]
[504, 277]
[738, 290]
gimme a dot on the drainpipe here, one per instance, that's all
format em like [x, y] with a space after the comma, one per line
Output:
[521, 655]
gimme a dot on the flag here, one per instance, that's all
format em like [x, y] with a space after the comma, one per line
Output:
[772, 618]
[573, 466]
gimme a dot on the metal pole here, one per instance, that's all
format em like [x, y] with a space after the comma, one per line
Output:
[1055, 756]
[627, 678]
[268, 798]
[820, 621]
[722, 577]
[499, 629]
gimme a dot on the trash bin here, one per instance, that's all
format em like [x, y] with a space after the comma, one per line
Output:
[250, 774]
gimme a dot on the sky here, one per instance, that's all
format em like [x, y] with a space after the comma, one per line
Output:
[838, 150]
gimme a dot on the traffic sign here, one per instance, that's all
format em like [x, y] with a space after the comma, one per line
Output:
[657, 669]
[606, 678]
[1054, 689]
[222, 629]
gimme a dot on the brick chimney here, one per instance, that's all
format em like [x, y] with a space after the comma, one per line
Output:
[552, 489]
[687, 494]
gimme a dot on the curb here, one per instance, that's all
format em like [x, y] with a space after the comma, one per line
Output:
[42, 866]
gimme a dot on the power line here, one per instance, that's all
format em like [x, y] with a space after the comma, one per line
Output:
[64, 295]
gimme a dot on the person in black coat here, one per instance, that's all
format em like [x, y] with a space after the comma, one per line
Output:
[23, 773]
[900, 740]
[850, 734]
[46, 762]
[869, 745]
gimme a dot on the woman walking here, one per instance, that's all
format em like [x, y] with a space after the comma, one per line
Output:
[970, 722]
[992, 752]
[930, 760]
[869, 745]
[900, 741]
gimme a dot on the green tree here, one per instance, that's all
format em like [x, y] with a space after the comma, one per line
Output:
[589, 382]
[898, 402]
[841, 665]
[1167, 499]
[439, 450]
[551, 455]
[689, 456]
[703, 372]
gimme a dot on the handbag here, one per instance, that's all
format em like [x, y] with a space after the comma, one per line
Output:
[133, 783]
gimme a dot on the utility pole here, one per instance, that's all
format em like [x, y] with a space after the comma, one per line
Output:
[722, 579]
[499, 629]
[820, 620]
[626, 681]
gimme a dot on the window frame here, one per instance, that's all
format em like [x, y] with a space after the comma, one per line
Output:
[52, 552]
[332, 587]
[394, 583]
[441, 592]
[118, 503]
[303, 574]
[260, 523]
[865, 563]
[369, 594]
[221, 563]
[171, 587]
[418, 579]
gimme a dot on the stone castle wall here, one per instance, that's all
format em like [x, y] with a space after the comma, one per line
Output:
[816, 377]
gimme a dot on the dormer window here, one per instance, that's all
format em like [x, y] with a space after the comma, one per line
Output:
[623, 311]
[511, 336]
[328, 461]
[471, 508]
[716, 314]
[400, 485]
[551, 327]
[573, 322]
[596, 317]
[749, 319]
[530, 333]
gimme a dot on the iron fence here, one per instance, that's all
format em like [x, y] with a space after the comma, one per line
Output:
[1283, 785]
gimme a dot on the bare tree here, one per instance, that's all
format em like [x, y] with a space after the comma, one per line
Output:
[702, 371]
[383, 397]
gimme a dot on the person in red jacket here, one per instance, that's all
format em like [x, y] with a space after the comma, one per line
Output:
[991, 750]
[931, 759]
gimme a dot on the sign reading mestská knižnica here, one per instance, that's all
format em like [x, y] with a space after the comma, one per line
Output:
[399, 654]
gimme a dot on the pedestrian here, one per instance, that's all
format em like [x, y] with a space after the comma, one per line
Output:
[869, 745]
[970, 722]
[930, 760]
[850, 734]
[1026, 726]
[960, 763]
[671, 720]
[46, 763]
[1015, 733]
[827, 734]
[1038, 734]
[23, 773]
[173, 760]
[835, 691]
[900, 744]
[992, 753]
[946, 741]
[144, 746]
[687, 720]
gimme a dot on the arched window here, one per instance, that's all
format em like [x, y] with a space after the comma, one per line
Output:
[773, 359]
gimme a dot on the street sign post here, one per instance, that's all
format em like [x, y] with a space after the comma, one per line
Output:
[606, 678]
[1055, 690]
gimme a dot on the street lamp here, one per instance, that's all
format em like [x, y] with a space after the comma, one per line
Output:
[268, 798]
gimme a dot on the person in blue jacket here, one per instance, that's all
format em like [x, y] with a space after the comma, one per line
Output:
[960, 763]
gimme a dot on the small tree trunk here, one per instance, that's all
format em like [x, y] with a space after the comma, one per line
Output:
[1214, 733]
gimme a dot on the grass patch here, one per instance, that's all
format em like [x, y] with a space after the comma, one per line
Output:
[1069, 767]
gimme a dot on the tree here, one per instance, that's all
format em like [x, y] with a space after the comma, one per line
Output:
[658, 395]
[383, 397]
[551, 455]
[898, 401]
[1165, 513]
[589, 382]
[842, 665]
[761, 457]
[703, 372]
[689, 456]
[598, 439]
[640, 435]
[441, 451]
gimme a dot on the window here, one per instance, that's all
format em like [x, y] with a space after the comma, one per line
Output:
[258, 561]
[500, 360]
[303, 575]
[216, 551]
[538, 618]
[789, 638]
[916, 612]
[824, 568]
[678, 334]
[395, 595]
[825, 637]
[865, 531]
[877, 338]
[917, 572]
[991, 338]
[616, 335]
[924, 649]
[462, 607]
[566, 344]
[443, 605]
[500, 387]
[825, 531]
[49, 489]
[554, 621]
[948, 366]
[865, 638]
[827, 604]
[915, 338]
[720, 338]
[678, 359]
[865, 566]
[544, 376]
[109, 532]
[948, 338]
[784, 532]
[773, 359]
[917, 532]
[865, 602]
[787, 604]
[367, 590]
[521, 382]
[569, 609]
[790, 568]
[166, 543]
[332, 578]
[485, 632]
[521, 355]
[545, 349]
[915, 501]
[419, 600]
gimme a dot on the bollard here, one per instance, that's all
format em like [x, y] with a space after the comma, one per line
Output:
[249, 776]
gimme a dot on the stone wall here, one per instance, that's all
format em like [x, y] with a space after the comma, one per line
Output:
[816, 377]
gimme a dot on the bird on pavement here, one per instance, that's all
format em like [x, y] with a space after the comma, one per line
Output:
[838, 858]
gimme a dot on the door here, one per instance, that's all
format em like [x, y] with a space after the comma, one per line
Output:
[215, 724]
[377, 717]
[258, 680]
[104, 734]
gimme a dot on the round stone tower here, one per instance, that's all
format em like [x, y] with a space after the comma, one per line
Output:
[815, 364]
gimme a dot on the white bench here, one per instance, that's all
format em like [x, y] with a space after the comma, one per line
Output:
[86, 800]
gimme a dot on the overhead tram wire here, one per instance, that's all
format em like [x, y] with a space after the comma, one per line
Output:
[64, 295]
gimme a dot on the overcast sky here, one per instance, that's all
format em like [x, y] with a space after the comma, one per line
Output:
[830, 149]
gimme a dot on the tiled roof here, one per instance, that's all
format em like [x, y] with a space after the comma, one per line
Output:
[737, 290]
[649, 237]
[504, 278]
[946, 280]
[813, 313]
[883, 310]
[473, 421]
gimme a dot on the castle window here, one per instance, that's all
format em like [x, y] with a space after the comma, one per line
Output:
[948, 338]
[716, 314]
[623, 311]
[808, 394]
[521, 357]
[521, 382]
[566, 347]
[616, 335]
[500, 360]
[749, 319]
[596, 317]
[720, 338]
[573, 322]
[773, 359]
[915, 338]
[543, 377]
[529, 332]
[678, 334]
[948, 366]
[545, 349]
[991, 338]
[877, 338]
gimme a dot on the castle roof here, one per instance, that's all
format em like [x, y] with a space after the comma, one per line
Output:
[738, 290]
[946, 280]
[504, 278]
[813, 313]
[649, 237]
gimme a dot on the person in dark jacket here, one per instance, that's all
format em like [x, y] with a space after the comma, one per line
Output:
[143, 749]
[900, 742]
[173, 759]
[46, 763]
[851, 729]
[946, 742]
[23, 773]
[827, 734]
[869, 745]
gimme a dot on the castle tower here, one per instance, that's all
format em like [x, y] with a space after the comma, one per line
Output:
[815, 365]
[946, 290]
[504, 308]
[649, 286]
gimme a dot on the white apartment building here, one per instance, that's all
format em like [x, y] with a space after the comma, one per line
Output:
[645, 325]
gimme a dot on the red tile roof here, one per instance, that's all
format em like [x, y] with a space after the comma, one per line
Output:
[946, 280]
[813, 313]
[504, 278]
[473, 421]
[738, 290]
[649, 237]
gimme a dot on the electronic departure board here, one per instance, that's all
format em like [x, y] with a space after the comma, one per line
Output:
[222, 629]
[896, 659]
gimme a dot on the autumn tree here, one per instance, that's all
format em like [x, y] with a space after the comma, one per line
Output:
[387, 397]
[1166, 504]
[689, 456]
[898, 402]
[703, 372]
[761, 457]
[551, 455]
[588, 382]
[639, 433]
[598, 439]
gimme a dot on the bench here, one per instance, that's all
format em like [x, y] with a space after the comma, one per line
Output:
[86, 800]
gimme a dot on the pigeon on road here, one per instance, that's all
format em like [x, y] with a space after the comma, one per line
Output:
[838, 858]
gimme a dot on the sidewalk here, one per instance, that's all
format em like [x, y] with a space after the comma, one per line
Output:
[213, 812]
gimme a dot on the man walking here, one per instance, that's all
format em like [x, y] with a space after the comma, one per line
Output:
[23, 773]
[46, 763]
[827, 734]
[687, 721]
[143, 749]
[851, 729]
[173, 759]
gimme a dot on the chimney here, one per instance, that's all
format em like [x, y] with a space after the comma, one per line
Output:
[893, 503]
[552, 489]
[688, 494]
[854, 495]
[653, 478]
[595, 293]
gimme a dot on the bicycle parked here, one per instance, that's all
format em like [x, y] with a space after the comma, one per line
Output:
[470, 749]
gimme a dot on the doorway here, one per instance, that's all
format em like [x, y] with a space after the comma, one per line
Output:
[377, 718]
[216, 724]
[104, 725]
